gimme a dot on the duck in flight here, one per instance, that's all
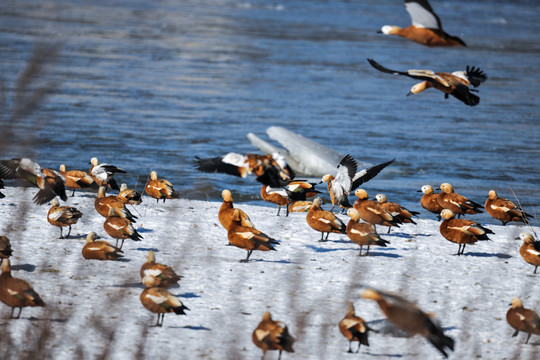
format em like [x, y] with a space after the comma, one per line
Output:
[426, 28]
[455, 84]
[271, 170]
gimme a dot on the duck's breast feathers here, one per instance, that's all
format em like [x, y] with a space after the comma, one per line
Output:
[422, 14]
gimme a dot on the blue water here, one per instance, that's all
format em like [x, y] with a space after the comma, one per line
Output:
[150, 84]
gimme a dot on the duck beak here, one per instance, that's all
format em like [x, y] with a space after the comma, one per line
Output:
[410, 93]
[418, 190]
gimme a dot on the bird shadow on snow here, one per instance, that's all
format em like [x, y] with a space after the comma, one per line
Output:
[147, 249]
[479, 254]
[138, 285]
[144, 230]
[270, 261]
[24, 267]
[190, 327]
[188, 295]
[320, 249]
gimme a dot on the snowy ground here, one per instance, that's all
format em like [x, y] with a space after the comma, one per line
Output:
[94, 306]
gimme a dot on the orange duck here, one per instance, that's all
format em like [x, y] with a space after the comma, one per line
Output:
[522, 319]
[462, 231]
[396, 210]
[109, 206]
[429, 200]
[372, 212]
[160, 301]
[362, 233]
[226, 212]
[504, 210]
[156, 274]
[129, 196]
[160, 188]
[76, 179]
[62, 216]
[530, 250]
[120, 229]
[16, 293]
[248, 238]
[456, 83]
[272, 335]
[408, 317]
[426, 28]
[354, 328]
[324, 221]
[99, 250]
[459, 204]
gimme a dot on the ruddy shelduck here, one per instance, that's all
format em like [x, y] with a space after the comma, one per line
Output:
[5, 247]
[160, 301]
[522, 319]
[530, 250]
[16, 293]
[160, 189]
[462, 231]
[426, 28]
[372, 212]
[129, 196]
[76, 179]
[62, 216]
[347, 179]
[456, 83]
[248, 238]
[99, 250]
[276, 196]
[272, 335]
[108, 206]
[396, 210]
[459, 204]
[226, 212]
[49, 182]
[324, 221]
[362, 233]
[300, 206]
[408, 317]
[504, 210]
[429, 200]
[121, 229]
[354, 328]
[271, 169]
[156, 274]
[103, 174]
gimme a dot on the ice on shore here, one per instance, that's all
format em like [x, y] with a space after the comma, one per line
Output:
[305, 156]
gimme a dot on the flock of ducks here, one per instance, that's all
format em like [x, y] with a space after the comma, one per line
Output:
[280, 188]
[364, 216]
[118, 224]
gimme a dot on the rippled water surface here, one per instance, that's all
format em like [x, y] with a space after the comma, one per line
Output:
[151, 84]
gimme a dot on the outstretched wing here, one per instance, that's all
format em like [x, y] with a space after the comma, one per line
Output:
[428, 75]
[422, 14]
[368, 174]
[475, 76]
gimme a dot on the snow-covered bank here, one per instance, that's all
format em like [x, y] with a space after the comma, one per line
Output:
[305, 283]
